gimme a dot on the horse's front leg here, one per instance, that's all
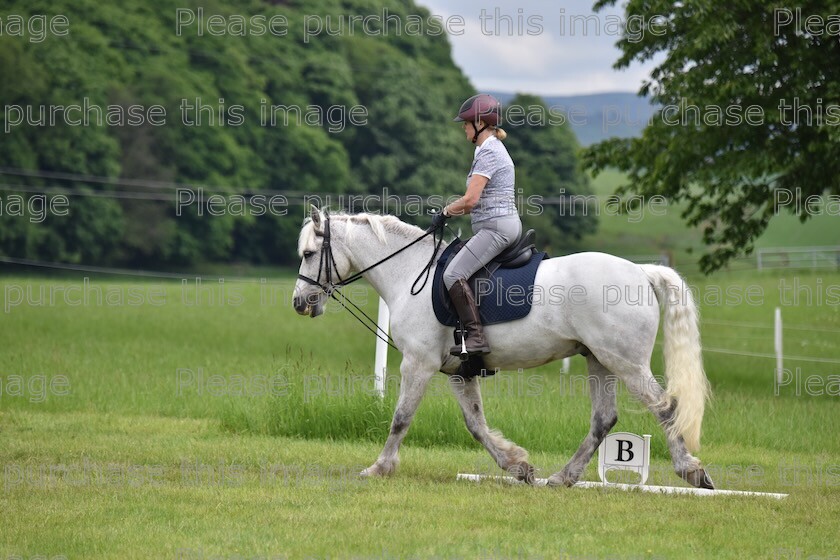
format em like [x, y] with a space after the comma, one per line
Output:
[415, 377]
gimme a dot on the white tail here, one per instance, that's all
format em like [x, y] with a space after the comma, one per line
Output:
[686, 380]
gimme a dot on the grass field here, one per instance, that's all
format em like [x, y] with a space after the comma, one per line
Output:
[205, 423]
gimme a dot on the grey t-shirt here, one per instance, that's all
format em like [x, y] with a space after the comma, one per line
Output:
[498, 198]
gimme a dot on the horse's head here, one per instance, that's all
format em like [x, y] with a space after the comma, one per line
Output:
[323, 264]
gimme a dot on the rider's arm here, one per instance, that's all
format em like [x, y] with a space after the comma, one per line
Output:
[465, 204]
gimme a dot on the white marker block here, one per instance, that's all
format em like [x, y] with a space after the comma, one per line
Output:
[623, 451]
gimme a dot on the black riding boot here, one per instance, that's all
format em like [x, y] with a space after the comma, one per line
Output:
[464, 302]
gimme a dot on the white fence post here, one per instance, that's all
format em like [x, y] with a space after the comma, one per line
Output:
[778, 341]
[566, 364]
[381, 362]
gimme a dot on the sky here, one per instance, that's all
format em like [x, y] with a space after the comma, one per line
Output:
[558, 59]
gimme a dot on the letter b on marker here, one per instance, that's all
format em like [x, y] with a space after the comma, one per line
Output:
[625, 450]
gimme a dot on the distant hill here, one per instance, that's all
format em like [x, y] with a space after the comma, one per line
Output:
[600, 116]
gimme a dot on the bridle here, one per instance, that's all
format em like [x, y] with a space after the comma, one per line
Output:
[327, 267]
[327, 264]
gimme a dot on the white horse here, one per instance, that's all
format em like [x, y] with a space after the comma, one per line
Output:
[611, 318]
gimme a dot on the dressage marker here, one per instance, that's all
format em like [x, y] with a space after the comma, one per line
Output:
[625, 451]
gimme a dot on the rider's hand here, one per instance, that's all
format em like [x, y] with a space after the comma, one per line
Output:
[438, 220]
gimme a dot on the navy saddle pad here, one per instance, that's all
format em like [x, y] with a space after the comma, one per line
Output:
[505, 295]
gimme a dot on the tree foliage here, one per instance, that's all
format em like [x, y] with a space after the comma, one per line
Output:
[129, 53]
[718, 58]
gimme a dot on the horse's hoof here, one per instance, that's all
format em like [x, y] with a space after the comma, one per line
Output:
[376, 470]
[523, 472]
[699, 479]
[561, 479]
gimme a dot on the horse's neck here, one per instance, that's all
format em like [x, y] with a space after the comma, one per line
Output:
[393, 278]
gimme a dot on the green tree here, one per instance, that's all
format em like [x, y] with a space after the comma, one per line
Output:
[548, 172]
[729, 173]
[127, 53]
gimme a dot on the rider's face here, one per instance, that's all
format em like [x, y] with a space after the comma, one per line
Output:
[469, 130]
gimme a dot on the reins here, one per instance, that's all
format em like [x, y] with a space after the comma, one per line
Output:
[327, 266]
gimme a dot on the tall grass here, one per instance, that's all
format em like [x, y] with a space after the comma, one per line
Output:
[126, 359]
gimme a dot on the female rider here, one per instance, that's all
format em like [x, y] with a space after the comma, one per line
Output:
[490, 200]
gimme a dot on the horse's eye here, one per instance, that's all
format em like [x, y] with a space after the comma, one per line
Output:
[307, 254]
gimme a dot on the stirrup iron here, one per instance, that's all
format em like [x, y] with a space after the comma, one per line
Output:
[464, 354]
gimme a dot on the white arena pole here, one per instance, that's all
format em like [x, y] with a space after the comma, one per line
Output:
[381, 362]
[566, 363]
[625, 487]
[778, 339]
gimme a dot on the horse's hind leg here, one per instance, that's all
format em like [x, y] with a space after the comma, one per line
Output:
[644, 386]
[507, 454]
[604, 416]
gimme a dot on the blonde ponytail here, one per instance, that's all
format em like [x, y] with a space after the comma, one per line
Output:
[500, 134]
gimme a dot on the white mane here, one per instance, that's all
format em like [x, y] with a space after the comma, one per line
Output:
[381, 225]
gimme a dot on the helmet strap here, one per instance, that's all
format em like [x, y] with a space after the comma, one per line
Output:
[477, 131]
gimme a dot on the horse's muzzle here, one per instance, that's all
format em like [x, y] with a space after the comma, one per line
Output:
[307, 306]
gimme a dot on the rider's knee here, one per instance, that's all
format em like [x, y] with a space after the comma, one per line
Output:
[450, 277]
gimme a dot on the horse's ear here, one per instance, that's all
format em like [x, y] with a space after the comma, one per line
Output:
[315, 214]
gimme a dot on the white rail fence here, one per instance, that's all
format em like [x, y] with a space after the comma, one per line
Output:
[798, 257]
[764, 258]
